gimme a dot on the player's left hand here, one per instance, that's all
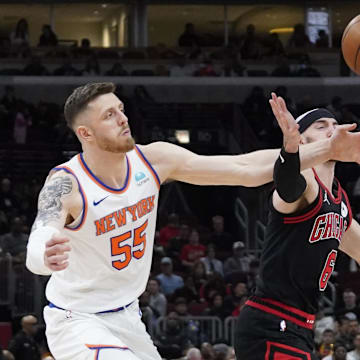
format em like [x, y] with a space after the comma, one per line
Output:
[286, 121]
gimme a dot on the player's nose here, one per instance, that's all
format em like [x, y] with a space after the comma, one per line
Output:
[122, 119]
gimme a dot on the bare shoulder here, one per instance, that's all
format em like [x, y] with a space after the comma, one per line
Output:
[166, 157]
[159, 151]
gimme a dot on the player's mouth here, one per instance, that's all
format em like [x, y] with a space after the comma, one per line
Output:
[125, 132]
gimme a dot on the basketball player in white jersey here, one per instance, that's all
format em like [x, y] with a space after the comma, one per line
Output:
[96, 220]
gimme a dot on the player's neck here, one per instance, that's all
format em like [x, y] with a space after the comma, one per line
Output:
[110, 168]
[326, 173]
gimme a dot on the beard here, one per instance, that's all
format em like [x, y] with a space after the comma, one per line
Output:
[117, 145]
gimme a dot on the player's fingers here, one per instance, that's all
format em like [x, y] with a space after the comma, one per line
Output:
[58, 267]
[347, 127]
[274, 107]
[57, 239]
[58, 259]
[282, 104]
[57, 249]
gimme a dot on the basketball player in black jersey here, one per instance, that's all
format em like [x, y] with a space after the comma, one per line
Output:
[309, 221]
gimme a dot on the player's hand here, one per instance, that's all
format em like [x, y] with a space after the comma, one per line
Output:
[345, 145]
[286, 121]
[56, 253]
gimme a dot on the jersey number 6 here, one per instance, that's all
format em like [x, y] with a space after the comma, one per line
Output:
[328, 269]
[119, 248]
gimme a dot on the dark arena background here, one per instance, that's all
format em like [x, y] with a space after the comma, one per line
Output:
[194, 73]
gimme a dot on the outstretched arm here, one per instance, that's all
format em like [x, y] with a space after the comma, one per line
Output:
[253, 169]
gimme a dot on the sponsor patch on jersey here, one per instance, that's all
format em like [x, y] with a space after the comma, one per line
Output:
[344, 209]
[141, 178]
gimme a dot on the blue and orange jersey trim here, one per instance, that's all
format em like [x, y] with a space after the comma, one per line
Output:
[99, 347]
[148, 165]
[98, 182]
[83, 197]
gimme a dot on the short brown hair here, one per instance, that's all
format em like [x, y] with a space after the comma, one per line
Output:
[81, 96]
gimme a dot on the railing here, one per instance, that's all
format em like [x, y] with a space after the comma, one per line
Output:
[20, 290]
[198, 329]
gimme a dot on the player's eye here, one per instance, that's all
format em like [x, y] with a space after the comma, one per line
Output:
[109, 114]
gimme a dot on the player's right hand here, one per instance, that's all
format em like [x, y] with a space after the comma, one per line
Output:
[345, 144]
[286, 121]
[56, 253]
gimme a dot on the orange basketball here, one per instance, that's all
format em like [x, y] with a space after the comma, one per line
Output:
[350, 44]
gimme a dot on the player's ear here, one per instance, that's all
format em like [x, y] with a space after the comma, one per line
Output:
[84, 133]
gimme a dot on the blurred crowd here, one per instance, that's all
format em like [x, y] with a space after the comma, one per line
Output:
[194, 55]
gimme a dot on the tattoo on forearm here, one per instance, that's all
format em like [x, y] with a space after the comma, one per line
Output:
[49, 204]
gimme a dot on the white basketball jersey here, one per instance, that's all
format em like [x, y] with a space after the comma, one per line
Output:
[111, 242]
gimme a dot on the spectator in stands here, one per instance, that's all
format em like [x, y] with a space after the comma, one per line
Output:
[198, 274]
[181, 307]
[238, 291]
[147, 313]
[193, 251]
[172, 340]
[206, 69]
[181, 68]
[117, 70]
[338, 354]
[84, 50]
[157, 301]
[305, 69]
[256, 111]
[8, 202]
[282, 69]
[217, 307]
[323, 322]
[188, 37]
[92, 67]
[239, 262]
[355, 354]
[7, 355]
[323, 39]
[195, 52]
[250, 45]
[353, 328]
[19, 38]
[212, 265]
[169, 282]
[343, 333]
[326, 343]
[176, 243]
[221, 351]
[349, 304]
[299, 39]
[23, 345]
[14, 242]
[35, 67]
[220, 238]
[48, 38]
[170, 230]
[207, 351]
[188, 291]
[193, 354]
[214, 284]
[22, 121]
[67, 69]
[9, 100]
[274, 46]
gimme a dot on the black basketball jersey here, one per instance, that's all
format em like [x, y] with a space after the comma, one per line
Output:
[300, 249]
